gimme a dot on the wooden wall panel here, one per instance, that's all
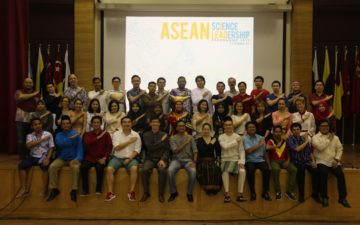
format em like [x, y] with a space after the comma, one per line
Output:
[301, 43]
[84, 42]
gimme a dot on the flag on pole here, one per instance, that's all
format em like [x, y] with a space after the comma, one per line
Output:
[29, 64]
[327, 73]
[338, 93]
[67, 68]
[315, 66]
[346, 101]
[356, 86]
[58, 73]
[48, 67]
[40, 68]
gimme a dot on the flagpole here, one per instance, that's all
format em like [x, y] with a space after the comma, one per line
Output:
[354, 117]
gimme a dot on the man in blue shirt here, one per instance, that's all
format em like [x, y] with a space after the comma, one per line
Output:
[303, 158]
[70, 153]
[254, 146]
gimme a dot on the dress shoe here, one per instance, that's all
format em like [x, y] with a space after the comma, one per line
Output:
[190, 198]
[73, 195]
[161, 198]
[344, 202]
[316, 198]
[53, 193]
[172, 197]
[266, 196]
[253, 197]
[325, 202]
[145, 197]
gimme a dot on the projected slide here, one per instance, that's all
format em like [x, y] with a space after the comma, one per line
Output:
[216, 47]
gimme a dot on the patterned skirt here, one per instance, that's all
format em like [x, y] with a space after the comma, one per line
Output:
[230, 166]
[208, 174]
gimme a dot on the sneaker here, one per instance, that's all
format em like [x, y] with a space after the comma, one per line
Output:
[278, 195]
[227, 199]
[290, 196]
[109, 196]
[131, 196]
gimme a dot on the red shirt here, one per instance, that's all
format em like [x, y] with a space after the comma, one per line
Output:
[263, 95]
[317, 114]
[248, 104]
[279, 153]
[96, 149]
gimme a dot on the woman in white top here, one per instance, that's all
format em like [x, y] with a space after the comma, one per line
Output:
[201, 117]
[305, 118]
[93, 110]
[113, 117]
[240, 118]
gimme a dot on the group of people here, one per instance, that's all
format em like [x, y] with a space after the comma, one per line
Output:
[210, 136]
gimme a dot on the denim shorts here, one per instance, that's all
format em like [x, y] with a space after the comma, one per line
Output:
[30, 162]
[116, 163]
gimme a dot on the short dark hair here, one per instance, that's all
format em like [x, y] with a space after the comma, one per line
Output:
[65, 117]
[276, 127]
[250, 123]
[151, 82]
[324, 121]
[228, 118]
[296, 125]
[134, 76]
[95, 79]
[242, 82]
[276, 82]
[220, 82]
[90, 109]
[96, 117]
[154, 118]
[124, 118]
[319, 81]
[181, 77]
[78, 99]
[161, 78]
[40, 101]
[111, 102]
[259, 77]
[49, 82]
[199, 77]
[115, 78]
[201, 101]
[35, 119]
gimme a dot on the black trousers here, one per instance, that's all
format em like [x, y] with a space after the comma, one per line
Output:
[84, 170]
[323, 180]
[301, 169]
[250, 174]
[149, 165]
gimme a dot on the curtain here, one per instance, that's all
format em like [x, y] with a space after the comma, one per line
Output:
[14, 38]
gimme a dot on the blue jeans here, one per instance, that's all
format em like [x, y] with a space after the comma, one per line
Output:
[22, 129]
[174, 167]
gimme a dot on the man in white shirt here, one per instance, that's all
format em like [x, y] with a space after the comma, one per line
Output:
[200, 93]
[328, 151]
[127, 145]
[98, 93]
